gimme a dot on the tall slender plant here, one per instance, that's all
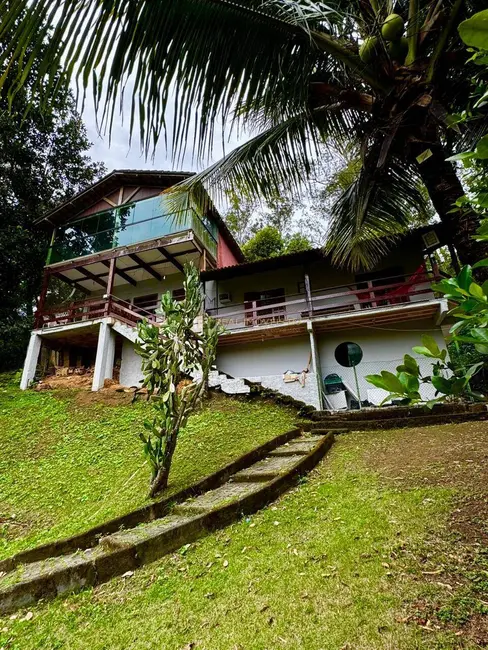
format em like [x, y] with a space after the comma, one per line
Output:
[176, 361]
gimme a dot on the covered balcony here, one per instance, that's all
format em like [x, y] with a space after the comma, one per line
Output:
[127, 225]
[379, 301]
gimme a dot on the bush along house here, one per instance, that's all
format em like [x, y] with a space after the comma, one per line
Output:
[292, 323]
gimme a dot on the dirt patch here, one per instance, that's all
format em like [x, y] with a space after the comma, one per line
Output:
[447, 455]
[56, 382]
[453, 456]
[104, 396]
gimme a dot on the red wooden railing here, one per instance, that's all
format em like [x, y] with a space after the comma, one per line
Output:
[93, 308]
[319, 303]
[326, 301]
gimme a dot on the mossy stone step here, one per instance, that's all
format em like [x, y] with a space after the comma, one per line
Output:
[224, 495]
[125, 550]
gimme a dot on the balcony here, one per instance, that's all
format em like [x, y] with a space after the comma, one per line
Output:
[85, 311]
[127, 225]
[368, 297]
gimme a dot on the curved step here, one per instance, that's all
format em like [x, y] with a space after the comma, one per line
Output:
[245, 492]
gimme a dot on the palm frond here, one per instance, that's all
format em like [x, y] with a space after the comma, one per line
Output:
[372, 213]
[209, 54]
[278, 160]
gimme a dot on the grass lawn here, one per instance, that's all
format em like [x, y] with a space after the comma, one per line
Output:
[71, 460]
[382, 546]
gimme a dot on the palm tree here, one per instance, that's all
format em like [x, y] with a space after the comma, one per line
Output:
[290, 71]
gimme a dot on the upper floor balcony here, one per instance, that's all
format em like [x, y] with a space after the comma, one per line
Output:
[127, 225]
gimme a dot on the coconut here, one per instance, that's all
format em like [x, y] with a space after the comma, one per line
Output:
[369, 49]
[398, 50]
[393, 28]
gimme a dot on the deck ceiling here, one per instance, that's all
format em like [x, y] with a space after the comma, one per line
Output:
[90, 274]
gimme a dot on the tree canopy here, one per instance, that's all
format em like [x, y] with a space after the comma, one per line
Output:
[43, 161]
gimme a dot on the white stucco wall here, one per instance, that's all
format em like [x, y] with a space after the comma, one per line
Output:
[130, 367]
[128, 292]
[266, 362]
[383, 349]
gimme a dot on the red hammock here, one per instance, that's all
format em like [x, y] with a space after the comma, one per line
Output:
[395, 295]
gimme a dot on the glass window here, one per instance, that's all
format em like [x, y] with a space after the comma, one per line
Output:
[141, 221]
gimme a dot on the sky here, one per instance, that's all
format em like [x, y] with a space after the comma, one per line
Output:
[116, 153]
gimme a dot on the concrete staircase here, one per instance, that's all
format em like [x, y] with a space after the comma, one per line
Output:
[127, 331]
[93, 559]
[227, 385]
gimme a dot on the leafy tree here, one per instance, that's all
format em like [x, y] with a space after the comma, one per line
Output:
[43, 161]
[297, 243]
[267, 242]
[240, 215]
[172, 353]
[303, 73]
[474, 33]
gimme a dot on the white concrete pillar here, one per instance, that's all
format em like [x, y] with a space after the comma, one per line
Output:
[104, 363]
[31, 358]
[316, 363]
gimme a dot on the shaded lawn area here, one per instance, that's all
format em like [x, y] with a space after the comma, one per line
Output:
[382, 546]
[71, 460]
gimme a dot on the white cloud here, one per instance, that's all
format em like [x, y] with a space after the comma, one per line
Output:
[117, 153]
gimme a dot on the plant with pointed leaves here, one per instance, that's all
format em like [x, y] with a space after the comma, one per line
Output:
[474, 33]
[289, 71]
[176, 361]
[470, 302]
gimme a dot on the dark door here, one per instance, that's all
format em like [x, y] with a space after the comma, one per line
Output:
[268, 298]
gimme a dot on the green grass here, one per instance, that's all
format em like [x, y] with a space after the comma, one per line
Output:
[347, 560]
[329, 566]
[68, 463]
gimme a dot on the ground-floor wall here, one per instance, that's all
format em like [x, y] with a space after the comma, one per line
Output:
[130, 365]
[383, 349]
[266, 362]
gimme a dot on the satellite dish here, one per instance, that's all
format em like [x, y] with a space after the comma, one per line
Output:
[348, 355]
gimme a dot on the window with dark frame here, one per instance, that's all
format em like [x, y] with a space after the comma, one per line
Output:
[179, 294]
[147, 303]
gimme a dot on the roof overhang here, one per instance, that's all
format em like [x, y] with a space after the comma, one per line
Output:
[151, 260]
[369, 319]
[70, 209]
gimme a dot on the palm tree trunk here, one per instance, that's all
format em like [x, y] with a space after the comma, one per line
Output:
[444, 188]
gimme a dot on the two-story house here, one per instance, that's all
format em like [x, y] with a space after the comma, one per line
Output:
[118, 246]
[289, 320]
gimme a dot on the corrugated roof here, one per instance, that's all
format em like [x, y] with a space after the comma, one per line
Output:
[304, 257]
[269, 264]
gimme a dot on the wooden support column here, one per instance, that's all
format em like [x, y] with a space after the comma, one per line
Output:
[110, 285]
[308, 293]
[454, 258]
[42, 298]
